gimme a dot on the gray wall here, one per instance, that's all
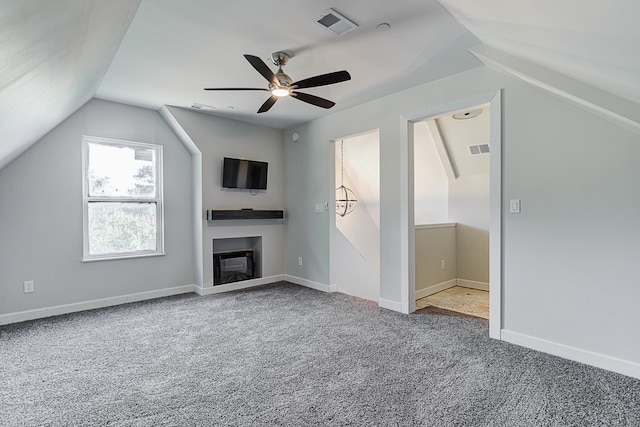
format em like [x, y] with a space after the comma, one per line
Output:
[216, 138]
[434, 244]
[41, 215]
[570, 257]
[469, 208]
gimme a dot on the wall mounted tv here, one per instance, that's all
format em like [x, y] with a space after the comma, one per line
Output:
[244, 174]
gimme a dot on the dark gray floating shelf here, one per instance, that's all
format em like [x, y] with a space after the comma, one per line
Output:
[218, 215]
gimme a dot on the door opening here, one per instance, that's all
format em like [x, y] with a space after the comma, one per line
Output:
[355, 224]
[446, 203]
[451, 219]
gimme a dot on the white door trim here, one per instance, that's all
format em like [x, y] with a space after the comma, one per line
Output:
[495, 199]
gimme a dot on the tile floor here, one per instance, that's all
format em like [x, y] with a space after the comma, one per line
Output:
[463, 300]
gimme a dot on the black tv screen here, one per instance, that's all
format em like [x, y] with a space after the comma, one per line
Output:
[247, 174]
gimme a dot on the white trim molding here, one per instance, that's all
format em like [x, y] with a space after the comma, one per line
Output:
[244, 284]
[434, 289]
[429, 226]
[57, 310]
[196, 179]
[472, 284]
[598, 360]
[310, 284]
[407, 254]
[607, 105]
[390, 305]
[156, 199]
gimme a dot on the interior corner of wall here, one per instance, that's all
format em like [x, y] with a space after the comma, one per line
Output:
[179, 130]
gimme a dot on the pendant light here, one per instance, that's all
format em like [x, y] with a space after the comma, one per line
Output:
[345, 197]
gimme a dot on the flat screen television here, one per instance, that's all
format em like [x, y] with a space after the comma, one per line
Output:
[245, 174]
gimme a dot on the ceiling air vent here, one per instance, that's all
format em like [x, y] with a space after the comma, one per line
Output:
[336, 22]
[476, 150]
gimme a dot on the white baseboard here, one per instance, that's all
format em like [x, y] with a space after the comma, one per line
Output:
[57, 310]
[310, 284]
[244, 284]
[598, 360]
[390, 305]
[482, 286]
[472, 284]
[430, 290]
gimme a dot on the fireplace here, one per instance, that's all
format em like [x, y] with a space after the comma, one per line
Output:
[229, 267]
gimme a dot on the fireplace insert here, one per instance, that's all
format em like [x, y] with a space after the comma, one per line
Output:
[229, 267]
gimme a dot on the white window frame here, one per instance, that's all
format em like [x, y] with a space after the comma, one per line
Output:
[87, 199]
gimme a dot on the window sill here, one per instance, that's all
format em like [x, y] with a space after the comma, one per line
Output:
[121, 256]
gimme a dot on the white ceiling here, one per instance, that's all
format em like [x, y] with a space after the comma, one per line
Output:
[55, 56]
[175, 49]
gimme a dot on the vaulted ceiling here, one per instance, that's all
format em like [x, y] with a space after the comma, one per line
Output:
[55, 56]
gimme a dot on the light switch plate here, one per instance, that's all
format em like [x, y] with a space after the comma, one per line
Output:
[514, 206]
[321, 207]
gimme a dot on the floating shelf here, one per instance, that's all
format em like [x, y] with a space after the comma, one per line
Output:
[219, 215]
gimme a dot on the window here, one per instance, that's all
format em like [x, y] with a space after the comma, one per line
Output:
[122, 195]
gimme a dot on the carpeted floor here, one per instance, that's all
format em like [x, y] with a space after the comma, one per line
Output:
[287, 355]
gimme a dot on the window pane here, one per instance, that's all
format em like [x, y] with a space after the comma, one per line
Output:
[121, 227]
[119, 171]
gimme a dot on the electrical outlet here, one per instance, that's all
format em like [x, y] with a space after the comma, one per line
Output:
[29, 286]
[442, 264]
[299, 260]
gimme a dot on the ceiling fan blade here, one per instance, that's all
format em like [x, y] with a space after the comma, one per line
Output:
[268, 104]
[323, 80]
[313, 100]
[262, 68]
[235, 88]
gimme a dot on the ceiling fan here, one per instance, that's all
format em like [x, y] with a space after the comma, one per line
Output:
[281, 85]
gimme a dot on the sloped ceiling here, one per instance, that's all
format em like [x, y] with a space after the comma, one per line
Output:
[594, 41]
[458, 135]
[55, 56]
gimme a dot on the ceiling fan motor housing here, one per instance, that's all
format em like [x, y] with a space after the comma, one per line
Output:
[280, 58]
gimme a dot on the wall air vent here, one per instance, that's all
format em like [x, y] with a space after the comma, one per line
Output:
[476, 150]
[336, 22]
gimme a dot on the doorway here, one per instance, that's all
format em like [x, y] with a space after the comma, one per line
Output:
[355, 228]
[451, 219]
[492, 269]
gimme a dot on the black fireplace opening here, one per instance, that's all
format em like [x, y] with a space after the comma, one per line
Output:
[229, 267]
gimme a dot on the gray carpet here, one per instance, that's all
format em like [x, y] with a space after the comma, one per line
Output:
[287, 355]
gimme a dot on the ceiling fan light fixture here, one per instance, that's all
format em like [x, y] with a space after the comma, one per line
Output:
[280, 92]
[345, 197]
